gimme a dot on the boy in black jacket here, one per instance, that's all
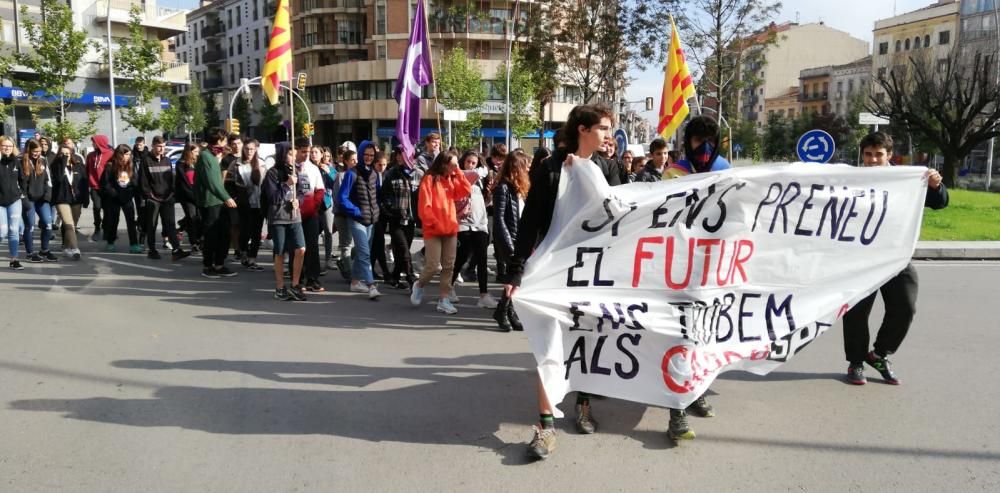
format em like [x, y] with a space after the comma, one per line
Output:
[156, 180]
[899, 293]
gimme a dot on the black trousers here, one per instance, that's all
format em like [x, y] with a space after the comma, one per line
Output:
[191, 223]
[377, 248]
[215, 242]
[311, 230]
[900, 297]
[251, 223]
[401, 238]
[165, 212]
[472, 247]
[95, 200]
[113, 208]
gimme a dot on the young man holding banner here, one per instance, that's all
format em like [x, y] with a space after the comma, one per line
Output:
[899, 293]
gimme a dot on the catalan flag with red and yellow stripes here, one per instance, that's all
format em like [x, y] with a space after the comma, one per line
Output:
[677, 87]
[278, 63]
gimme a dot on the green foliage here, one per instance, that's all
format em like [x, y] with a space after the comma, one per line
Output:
[270, 120]
[242, 111]
[58, 51]
[970, 216]
[172, 117]
[460, 86]
[137, 62]
[745, 134]
[210, 110]
[523, 119]
[193, 107]
[301, 116]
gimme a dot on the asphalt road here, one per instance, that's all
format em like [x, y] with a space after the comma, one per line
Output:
[118, 373]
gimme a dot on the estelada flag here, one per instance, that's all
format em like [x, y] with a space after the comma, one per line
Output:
[278, 63]
[677, 87]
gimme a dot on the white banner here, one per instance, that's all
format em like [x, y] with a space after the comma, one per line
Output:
[648, 291]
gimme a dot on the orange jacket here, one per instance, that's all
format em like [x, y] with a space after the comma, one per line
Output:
[437, 203]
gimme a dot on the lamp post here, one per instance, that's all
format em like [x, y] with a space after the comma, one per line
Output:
[111, 79]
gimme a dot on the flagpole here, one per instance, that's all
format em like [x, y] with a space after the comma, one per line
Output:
[291, 117]
[430, 56]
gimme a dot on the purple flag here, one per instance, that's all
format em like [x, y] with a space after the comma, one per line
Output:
[413, 75]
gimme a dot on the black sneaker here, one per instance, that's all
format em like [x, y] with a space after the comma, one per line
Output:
[48, 257]
[245, 262]
[153, 255]
[401, 285]
[225, 272]
[856, 374]
[179, 255]
[210, 273]
[35, 258]
[15, 265]
[882, 366]
[282, 294]
[76, 256]
[314, 286]
[296, 293]
[701, 408]
[679, 429]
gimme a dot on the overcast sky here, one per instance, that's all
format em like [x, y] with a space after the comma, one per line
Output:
[856, 17]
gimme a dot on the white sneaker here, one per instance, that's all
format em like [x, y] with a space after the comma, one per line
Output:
[331, 264]
[388, 255]
[459, 280]
[487, 301]
[358, 288]
[373, 293]
[416, 294]
[445, 306]
[453, 296]
[67, 252]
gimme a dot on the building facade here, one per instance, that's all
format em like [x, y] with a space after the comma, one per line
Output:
[978, 35]
[814, 90]
[352, 50]
[929, 35]
[798, 47]
[849, 85]
[784, 105]
[92, 79]
[225, 43]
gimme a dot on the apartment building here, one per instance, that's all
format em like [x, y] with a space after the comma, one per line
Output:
[849, 85]
[779, 67]
[785, 105]
[226, 42]
[929, 34]
[92, 79]
[352, 51]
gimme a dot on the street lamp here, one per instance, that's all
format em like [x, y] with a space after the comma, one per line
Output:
[111, 79]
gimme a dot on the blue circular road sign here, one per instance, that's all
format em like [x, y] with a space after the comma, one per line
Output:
[621, 139]
[815, 146]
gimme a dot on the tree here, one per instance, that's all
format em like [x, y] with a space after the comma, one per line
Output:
[723, 37]
[745, 134]
[953, 105]
[58, 51]
[270, 122]
[242, 111]
[778, 139]
[523, 119]
[211, 109]
[301, 115]
[137, 63]
[460, 87]
[193, 105]
[173, 116]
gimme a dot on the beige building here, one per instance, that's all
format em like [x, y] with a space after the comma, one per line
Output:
[849, 85]
[798, 47]
[814, 90]
[352, 51]
[786, 105]
[930, 33]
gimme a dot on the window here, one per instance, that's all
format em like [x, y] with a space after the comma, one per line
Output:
[197, 60]
[380, 52]
[232, 74]
[239, 18]
[881, 72]
[230, 46]
[380, 18]
[239, 44]
[907, 44]
[229, 22]
[256, 13]
[899, 45]
[927, 41]
[942, 65]
[194, 30]
[349, 32]
[850, 86]
[791, 113]
[257, 73]
[184, 57]
[916, 43]
[256, 40]
[883, 48]
[944, 37]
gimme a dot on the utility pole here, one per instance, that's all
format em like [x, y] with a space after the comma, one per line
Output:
[111, 80]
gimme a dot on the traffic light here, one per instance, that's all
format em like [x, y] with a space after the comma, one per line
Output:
[308, 129]
[649, 104]
[233, 126]
[301, 83]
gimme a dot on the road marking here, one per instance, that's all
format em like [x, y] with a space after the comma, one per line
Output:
[129, 264]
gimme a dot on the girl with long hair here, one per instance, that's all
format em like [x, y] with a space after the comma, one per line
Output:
[248, 174]
[70, 194]
[508, 203]
[184, 192]
[473, 231]
[10, 198]
[38, 195]
[328, 171]
[120, 186]
[443, 184]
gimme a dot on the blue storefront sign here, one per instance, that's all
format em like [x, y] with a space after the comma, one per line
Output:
[15, 93]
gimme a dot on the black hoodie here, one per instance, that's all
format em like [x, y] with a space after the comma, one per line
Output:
[10, 180]
[156, 178]
[37, 188]
[69, 186]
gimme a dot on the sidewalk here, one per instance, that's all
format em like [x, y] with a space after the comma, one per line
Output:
[957, 250]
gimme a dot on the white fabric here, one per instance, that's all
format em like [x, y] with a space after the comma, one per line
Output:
[609, 330]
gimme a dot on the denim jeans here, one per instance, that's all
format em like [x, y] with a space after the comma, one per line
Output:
[10, 226]
[44, 211]
[361, 266]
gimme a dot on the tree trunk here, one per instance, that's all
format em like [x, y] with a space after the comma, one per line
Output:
[951, 163]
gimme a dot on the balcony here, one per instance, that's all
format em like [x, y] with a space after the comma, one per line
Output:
[163, 22]
[174, 72]
[213, 57]
[309, 40]
[331, 6]
[211, 83]
[351, 40]
[211, 31]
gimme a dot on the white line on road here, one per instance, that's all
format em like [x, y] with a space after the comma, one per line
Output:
[129, 264]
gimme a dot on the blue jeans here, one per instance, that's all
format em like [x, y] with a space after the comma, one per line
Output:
[361, 266]
[44, 211]
[10, 226]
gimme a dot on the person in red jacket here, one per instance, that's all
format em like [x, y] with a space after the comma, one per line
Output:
[96, 161]
[443, 184]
